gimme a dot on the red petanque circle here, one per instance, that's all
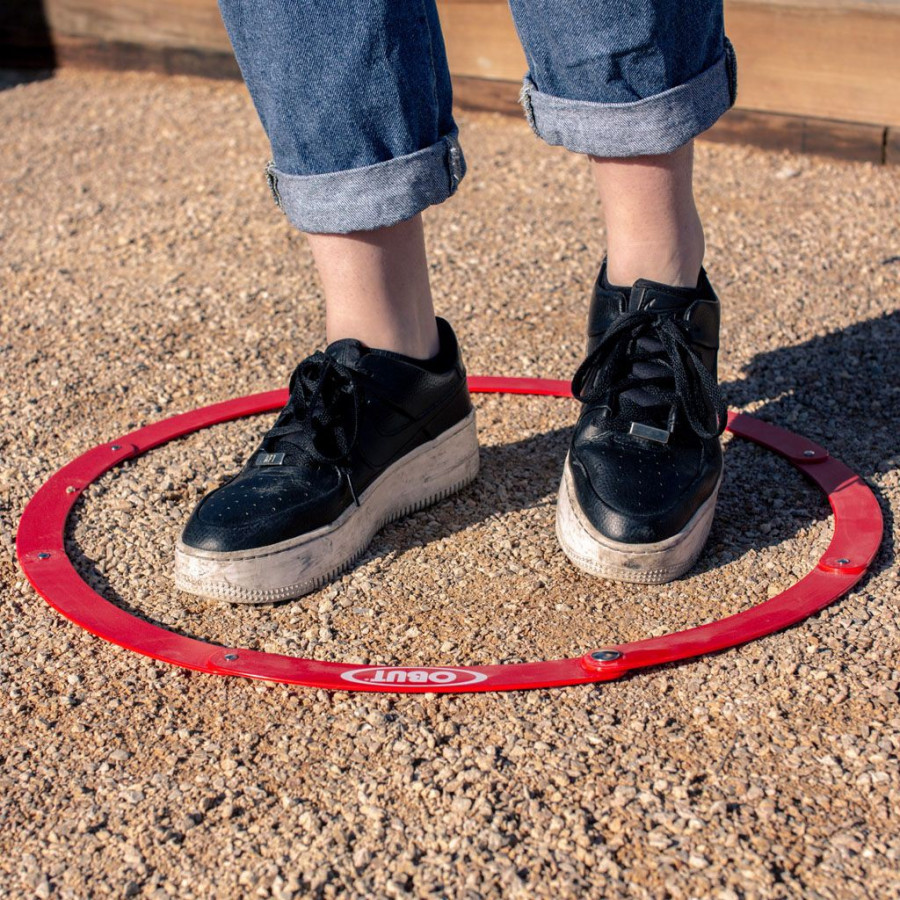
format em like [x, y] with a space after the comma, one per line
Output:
[40, 547]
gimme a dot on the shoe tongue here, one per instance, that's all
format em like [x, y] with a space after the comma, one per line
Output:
[347, 351]
[651, 295]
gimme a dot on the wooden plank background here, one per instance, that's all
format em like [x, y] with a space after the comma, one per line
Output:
[825, 61]
[828, 64]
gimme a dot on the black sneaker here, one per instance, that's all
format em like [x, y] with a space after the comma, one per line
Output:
[366, 436]
[643, 471]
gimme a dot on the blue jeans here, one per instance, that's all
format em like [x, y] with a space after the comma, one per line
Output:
[355, 94]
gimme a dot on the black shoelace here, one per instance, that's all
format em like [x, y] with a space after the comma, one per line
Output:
[321, 418]
[673, 376]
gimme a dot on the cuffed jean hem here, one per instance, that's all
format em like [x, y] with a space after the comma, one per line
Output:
[374, 196]
[658, 124]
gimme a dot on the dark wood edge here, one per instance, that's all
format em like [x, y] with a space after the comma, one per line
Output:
[801, 134]
[122, 56]
[487, 94]
[772, 131]
[892, 146]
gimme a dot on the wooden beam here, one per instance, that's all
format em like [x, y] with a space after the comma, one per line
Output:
[892, 147]
[481, 40]
[122, 56]
[801, 134]
[802, 61]
[158, 23]
[831, 59]
[842, 140]
[487, 94]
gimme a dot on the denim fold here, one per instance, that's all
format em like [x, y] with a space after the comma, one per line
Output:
[653, 125]
[372, 196]
[356, 99]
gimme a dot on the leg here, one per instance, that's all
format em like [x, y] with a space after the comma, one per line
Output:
[376, 287]
[666, 246]
[356, 102]
[631, 85]
[355, 98]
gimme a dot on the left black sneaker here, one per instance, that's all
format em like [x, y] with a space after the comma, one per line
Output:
[366, 436]
[643, 471]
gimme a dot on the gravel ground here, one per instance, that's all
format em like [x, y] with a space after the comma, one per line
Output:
[145, 272]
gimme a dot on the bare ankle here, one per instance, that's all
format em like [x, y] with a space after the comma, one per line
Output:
[411, 337]
[377, 289]
[675, 260]
[653, 230]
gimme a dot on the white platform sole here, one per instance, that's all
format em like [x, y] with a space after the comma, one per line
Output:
[297, 566]
[654, 563]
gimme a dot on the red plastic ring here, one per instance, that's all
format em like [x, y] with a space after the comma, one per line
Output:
[42, 555]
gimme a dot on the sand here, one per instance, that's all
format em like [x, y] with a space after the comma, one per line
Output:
[145, 271]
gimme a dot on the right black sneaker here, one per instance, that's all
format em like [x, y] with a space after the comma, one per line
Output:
[641, 479]
[366, 436]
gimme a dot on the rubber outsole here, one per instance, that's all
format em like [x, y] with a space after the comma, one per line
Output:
[295, 567]
[599, 555]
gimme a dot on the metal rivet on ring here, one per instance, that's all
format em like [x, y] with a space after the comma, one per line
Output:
[231, 656]
[843, 561]
[43, 556]
[809, 452]
[116, 447]
[605, 655]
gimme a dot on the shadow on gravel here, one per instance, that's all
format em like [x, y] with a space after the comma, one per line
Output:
[841, 390]
[91, 572]
[10, 78]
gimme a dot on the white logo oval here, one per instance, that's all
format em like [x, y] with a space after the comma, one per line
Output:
[424, 675]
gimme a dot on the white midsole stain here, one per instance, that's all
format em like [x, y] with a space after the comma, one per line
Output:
[299, 565]
[599, 555]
